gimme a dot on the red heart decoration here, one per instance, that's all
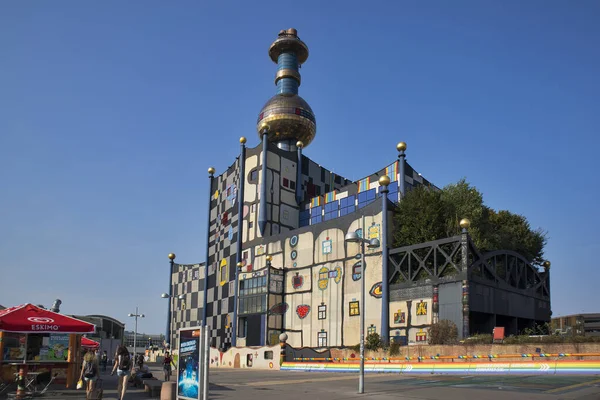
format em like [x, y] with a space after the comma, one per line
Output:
[302, 310]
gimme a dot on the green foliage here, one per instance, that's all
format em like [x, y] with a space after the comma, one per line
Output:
[543, 329]
[373, 342]
[425, 215]
[484, 338]
[355, 348]
[443, 332]
[394, 349]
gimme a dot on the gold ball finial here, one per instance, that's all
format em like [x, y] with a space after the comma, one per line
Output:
[240, 264]
[171, 256]
[465, 223]
[211, 171]
[546, 264]
[264, 128]
[401, 146]
[243, 140]
[269, 258]
[384, 180]
[299, 144]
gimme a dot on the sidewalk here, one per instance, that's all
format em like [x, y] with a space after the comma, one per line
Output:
[109, 384]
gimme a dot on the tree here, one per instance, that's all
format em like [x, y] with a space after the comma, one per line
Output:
[425, 215]
[420, 217]
[443, 332]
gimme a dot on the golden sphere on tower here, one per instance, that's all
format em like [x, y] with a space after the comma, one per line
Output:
[299, 144]
[240, 264]
[546, 264]
[465, 223]
[242, 140]
[264, 128]
[171, 256]
[384, 180]
[269, 258]
[211, 170]
[401, 146]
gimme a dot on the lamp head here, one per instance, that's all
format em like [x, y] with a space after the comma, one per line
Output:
[142, 316]
[352, 237]
[130, 315]
[165, 295]
[181, 297]
[373, 243]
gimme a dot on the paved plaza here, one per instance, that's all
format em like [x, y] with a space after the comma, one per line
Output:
[282, 385]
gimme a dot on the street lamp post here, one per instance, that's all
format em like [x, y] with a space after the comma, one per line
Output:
[352, 237]
[169, 296]
[172, 264]
[136, 316]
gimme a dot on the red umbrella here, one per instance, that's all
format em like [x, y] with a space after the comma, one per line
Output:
[28, 318]
[89, 343]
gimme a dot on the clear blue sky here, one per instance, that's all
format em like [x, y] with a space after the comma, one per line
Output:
[111, 112]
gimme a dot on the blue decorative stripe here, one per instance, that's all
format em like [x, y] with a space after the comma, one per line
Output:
[287, 85]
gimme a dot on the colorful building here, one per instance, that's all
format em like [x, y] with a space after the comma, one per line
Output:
[277, 260]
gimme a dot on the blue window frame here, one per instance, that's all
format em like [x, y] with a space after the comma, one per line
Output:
[331, 210]
[347, 205]
[393, 194]
[305, 218]
[316, 215]
[366, 197]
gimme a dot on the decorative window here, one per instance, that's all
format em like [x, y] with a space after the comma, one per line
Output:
[305, 218]
[225, 218]
[356, 271]
[354, 308]
[326, 246]
[331, 210]
[421, 336]
[250, 225]
[315, 215]
[322, 339]
[253, 175]
[371, 329]
[286, 182]
[223, 272]
[292, 185]
[322, 311]
[323, 278]
[286, 215]
[367, 197]
[399, 317]
[242, 327]
[421, 308]
[347, 205]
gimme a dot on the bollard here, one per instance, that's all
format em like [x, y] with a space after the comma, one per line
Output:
[167, 391]
[282, 339]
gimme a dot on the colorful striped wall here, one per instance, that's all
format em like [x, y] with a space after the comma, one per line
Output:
[458, 368]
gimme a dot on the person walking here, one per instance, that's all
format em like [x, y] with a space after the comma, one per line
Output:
[123, 367]
[89, 372]
[167, 362]
[104, 360]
